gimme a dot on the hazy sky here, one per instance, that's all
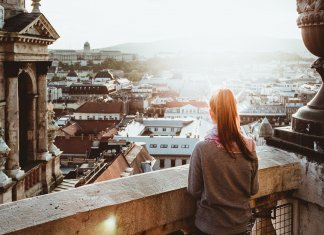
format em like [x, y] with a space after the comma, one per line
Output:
[109, 22]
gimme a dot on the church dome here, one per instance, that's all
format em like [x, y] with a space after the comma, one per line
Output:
[86, 46]
[265, 129]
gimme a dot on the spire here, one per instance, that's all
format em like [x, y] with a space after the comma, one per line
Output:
[36, 6]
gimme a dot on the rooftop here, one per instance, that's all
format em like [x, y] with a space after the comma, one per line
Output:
[107, 207]
[100, 107]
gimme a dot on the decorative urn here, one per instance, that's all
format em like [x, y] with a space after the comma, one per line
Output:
[310, 119]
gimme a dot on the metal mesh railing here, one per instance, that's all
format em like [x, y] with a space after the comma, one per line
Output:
[275, 221]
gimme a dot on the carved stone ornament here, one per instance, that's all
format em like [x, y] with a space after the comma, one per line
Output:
[1, 16]
[51, 132]
[36, 6]
[309, 119]
[4, 150]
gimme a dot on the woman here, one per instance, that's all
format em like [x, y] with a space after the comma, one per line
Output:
[223, 172]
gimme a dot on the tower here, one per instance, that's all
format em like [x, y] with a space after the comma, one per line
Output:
[86, 47]
[24, 39]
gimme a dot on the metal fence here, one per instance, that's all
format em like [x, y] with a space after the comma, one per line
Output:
[275, 221]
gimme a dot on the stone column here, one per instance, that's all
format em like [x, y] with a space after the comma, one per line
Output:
[12, 119]
[32, 139]
[42, 119]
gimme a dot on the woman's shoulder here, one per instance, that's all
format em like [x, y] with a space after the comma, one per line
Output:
[203, 144]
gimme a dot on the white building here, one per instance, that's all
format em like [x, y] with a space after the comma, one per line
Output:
[170, 141]
[99, 111]
[161, 100]
[54, 93]
[194, 109]
[123, 83]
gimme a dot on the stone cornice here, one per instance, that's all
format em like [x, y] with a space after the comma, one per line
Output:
[32, 39]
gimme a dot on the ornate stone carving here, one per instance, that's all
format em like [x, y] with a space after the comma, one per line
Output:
[311, 12]
[36, 6]
[1, 16]
[51, 132]
[309, 119]
[4, 150]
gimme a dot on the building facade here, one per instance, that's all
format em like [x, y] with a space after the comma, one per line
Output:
[32, 164]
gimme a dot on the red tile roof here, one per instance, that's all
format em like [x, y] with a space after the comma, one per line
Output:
[95, 126]
[101, 107]
[73, 145]
[117, 167]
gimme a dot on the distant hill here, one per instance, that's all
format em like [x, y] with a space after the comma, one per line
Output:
[220, 45]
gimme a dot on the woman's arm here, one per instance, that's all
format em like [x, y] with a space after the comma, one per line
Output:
[255, 179]
[195, 178]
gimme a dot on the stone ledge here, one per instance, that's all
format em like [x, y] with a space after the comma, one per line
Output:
[132, 205]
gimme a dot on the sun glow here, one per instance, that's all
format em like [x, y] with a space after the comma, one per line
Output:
[109, 226]
[214, 23]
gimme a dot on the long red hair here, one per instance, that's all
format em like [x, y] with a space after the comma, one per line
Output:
[224, 113]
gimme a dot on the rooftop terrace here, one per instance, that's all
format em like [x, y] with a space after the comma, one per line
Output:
[158, 203]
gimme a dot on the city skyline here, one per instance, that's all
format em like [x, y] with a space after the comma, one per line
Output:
[107, 23]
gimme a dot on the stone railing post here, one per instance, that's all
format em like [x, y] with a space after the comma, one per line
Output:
[4, 150]
[52, 129]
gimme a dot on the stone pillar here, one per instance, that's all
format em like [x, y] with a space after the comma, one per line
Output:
[12, 119]
[42, 119]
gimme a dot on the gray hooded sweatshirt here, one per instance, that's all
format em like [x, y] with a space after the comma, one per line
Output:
[222, 185]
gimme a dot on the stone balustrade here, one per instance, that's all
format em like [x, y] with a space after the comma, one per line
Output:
[151, 203]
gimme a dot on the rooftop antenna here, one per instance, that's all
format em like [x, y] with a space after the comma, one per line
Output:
[36, 6]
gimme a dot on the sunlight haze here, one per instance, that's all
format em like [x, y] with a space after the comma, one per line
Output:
[106, 23]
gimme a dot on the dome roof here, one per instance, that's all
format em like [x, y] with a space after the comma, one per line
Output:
[104, 74]
[72, 73]
[86, 44]
[265, 129]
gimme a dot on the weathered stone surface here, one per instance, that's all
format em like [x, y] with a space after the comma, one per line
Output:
[312, 182]
[153, 201]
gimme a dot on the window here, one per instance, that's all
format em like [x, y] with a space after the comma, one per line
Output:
[172, 129]
[163, 146]
[172, 163]
[161, 163]
[155, 129]
[153, 145]
[80, 117]
[105, 118]
[163, 129]
[174, 146]
[185, 146]
[88, 117]
[183, 161]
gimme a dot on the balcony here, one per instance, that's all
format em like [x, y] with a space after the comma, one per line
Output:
[158, 203]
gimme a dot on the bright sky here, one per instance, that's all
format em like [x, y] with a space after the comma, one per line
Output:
[108, 22]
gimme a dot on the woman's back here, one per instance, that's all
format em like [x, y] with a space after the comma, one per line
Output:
[223, 184]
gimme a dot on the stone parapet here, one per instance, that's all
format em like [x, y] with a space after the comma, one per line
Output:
[155, 203]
